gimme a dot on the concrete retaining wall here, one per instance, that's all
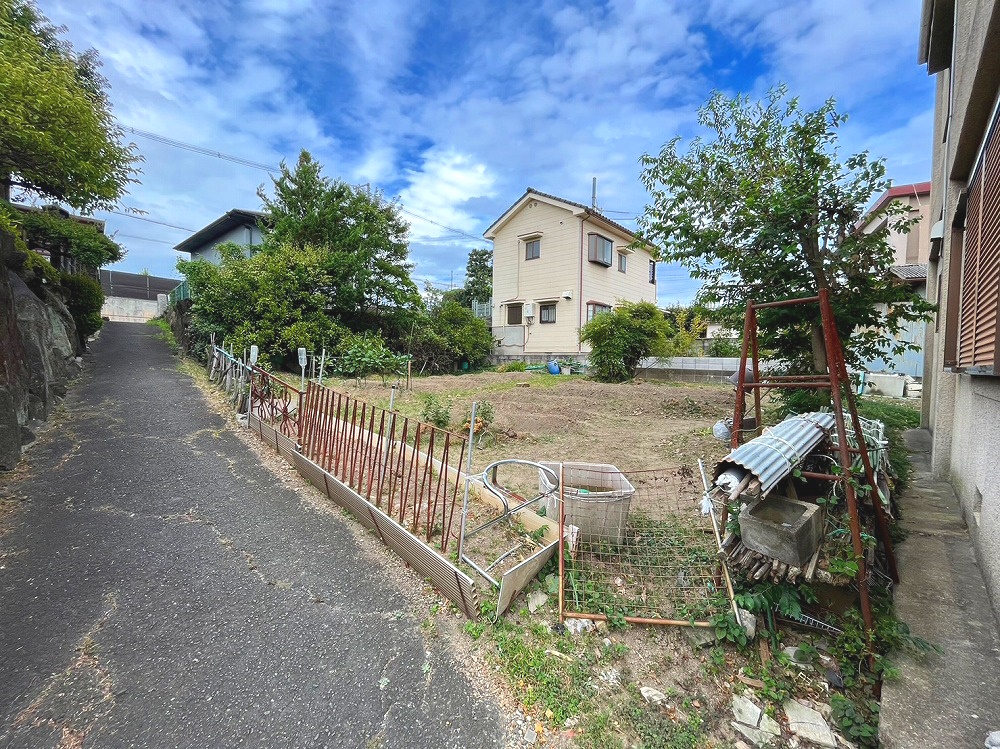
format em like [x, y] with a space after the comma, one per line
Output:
[122, 309]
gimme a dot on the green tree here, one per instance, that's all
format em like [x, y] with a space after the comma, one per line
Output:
[449, 333]
[64, 236]
[479, 276]
[278, 299]
[58, 137]
[768, 210]
[361, 238]
[631, 332]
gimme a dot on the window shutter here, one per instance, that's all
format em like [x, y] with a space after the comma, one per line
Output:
[978, 330]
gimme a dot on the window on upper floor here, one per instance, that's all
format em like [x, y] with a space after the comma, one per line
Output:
[622, 262]
[596, 308]
[547, 312]
[601, 249]
[652, 271]
[532, 249]
[514, 316]
[977, 310]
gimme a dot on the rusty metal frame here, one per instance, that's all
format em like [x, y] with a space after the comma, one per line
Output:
[843, 397]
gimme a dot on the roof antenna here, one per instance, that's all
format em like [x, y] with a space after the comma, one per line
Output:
[593, 195]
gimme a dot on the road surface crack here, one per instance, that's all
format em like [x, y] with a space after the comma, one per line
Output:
[74, 700]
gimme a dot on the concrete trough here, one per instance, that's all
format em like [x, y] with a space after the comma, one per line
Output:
[782, 528]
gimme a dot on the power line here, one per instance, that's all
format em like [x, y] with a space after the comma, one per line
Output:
[201, 150]
[151, 221]
[145, 239]
[257, 165]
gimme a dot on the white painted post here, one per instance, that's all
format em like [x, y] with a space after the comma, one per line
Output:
[302, 364]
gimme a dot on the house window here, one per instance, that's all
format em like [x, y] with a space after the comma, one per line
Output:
[622, 262]
[596, 308]
[600, 249]
[980, 300]
[652, 271]
[514, 314]
[547, 312]
[532, 249]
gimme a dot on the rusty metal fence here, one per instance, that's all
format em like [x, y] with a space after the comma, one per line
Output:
[410, 470]
[643, 552]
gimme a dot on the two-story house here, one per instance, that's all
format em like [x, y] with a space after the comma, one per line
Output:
[238, 225]
[911, 252]
[556, 264]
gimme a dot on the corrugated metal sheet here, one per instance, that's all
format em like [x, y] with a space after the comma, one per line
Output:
[773, 455]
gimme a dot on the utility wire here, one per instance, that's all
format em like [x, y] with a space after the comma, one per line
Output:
[145, 239]
[270, 169]
[203, 151]
[151, 221]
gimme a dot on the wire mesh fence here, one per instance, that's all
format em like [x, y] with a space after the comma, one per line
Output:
[643, 551]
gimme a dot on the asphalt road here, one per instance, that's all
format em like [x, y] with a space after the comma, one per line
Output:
[160, 588]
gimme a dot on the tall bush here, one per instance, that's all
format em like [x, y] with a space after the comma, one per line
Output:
[631, 332]
[84, 299]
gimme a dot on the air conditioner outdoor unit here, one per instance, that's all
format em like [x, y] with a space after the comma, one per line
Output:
[529, 309]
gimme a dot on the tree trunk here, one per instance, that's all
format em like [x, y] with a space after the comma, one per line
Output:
[818, 348]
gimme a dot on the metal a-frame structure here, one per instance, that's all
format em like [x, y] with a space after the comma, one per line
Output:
[837, 381]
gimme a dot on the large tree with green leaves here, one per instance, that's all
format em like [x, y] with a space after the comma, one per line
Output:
[278, 298]
[58, 138]
[479, 276]
[362, 239]
[766, 208]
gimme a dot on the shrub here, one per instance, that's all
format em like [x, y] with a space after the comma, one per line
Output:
[84, 299]
[513, 366]
[436, 412]
[633, 331]
[361, 356]
[724, 347]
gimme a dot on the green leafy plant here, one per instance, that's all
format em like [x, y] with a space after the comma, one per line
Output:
[84, 299]
[513, 366]
[858, 722]
[361, 356]
[436, 412]
[622, 338]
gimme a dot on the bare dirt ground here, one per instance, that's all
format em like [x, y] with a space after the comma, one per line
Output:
[639, 425]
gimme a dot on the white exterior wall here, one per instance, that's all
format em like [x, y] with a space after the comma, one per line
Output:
[561, 269]
[243, 235]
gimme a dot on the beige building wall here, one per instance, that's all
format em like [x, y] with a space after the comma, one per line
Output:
[963, 410]
[914, 246]
[562, 275]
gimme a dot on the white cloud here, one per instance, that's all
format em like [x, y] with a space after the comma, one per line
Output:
[458, 107]
[445, 182]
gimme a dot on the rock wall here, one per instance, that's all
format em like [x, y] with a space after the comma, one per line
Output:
[38, 356]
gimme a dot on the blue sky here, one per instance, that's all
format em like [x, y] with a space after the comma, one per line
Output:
[455, 108]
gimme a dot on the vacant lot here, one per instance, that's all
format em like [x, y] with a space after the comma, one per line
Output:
[636, 426]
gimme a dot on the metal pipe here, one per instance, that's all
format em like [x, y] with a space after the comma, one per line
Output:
[787, 302]
[468, 478]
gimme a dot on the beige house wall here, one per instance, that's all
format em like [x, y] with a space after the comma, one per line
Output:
[963, 411]
[561, 275]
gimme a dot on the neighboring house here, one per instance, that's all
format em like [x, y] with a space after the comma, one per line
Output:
[556, 264]
[133, 297]
[237, 226]
[960, 42]
[915, 245]
[912, 250]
